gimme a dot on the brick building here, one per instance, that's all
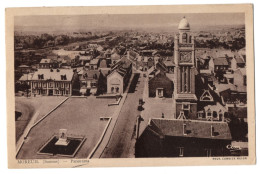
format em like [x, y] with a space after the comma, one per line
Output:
[160, 86]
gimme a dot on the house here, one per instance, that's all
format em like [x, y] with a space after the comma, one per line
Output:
[24, 69]
[237, 62]
[53, 82]
[119, 76]
[183, 138]
[46, 64]
[169, 65]
[218, 64]
[115, 57]
[215, 112]
[240, 77]
[88, 81]
[93, 64]
[160, 86]
[84, 60]
[26, 78]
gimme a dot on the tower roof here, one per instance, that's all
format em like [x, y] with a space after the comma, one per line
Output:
[184, 24]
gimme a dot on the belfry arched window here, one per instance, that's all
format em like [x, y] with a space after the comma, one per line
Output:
[184, 38]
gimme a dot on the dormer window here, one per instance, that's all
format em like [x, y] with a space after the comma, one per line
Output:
[63, 77]
[40, 76]
[206, 96]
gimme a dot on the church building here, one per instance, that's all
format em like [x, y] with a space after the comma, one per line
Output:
[184, 55]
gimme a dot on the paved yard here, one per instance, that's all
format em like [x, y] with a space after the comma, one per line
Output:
[80, 116]
[30, 106]
[154, 107]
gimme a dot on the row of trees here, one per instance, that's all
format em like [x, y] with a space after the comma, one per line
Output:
[236, 44]
[37, 42]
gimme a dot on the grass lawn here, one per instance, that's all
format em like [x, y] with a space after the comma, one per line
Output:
[80, 116]
[29, 106]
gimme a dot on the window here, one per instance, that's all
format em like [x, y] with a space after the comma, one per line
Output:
[184, 38]
[50, 84]
[112, 89]
[209, 113]
[117, 89]
[244, 80]
[220, 115]
[186, 106]
[215, 114]
[201, 115]
[181, 151]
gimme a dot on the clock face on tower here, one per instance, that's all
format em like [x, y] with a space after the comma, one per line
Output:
[185, 57]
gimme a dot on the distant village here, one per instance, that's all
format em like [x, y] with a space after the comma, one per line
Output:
[202, 73]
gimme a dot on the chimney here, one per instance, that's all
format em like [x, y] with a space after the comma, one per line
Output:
[212, 131]
[184, 129]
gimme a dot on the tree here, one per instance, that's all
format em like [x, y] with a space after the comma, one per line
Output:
[238, 128]
[102, 84]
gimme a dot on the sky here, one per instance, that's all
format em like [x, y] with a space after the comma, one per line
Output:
[125, 21]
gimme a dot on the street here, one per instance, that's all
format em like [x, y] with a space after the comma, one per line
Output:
[121, 144]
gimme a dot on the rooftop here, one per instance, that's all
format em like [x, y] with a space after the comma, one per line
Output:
[46, 61]
[220, 61]
[195, 129]
[53, 74]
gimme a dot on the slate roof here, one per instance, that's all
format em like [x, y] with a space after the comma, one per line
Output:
[94, 62]
[239, 112]
[23, 66]
[168, 63]
[239, 60]
[46, 61]
[195, 129]
[220, 61]
[217, 107]
[103, 64]
[26, 77]
[115, 56]
[54, 74]
[85, 58]
[90, 74]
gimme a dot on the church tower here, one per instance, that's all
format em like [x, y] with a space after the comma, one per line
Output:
[184, 56]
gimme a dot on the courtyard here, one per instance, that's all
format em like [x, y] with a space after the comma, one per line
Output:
[81, 118]
[155, 108]
[32, 108]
